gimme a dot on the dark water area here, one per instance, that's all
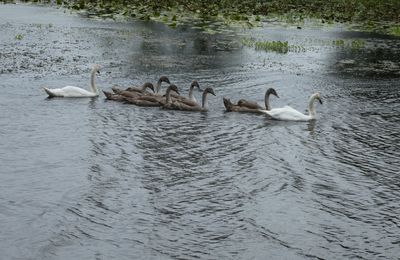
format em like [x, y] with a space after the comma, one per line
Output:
[95, 179]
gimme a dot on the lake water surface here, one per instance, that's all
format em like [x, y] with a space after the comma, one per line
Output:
[94, 179]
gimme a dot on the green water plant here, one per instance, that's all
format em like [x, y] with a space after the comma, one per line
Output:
[270, 46]
[275, 46]
[356, 44]
[395, 30]
[19, 37]
[247, 13]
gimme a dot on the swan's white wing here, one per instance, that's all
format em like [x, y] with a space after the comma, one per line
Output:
[71, 91]
[55, 92]
[287, 113]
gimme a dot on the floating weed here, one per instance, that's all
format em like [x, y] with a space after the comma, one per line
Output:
[357, 44]
[173, 24]
[272, 46]
[19, 37]
[395, 30]
[353, 44]
[339, 43]
[209, 30]
[249, 42]
[276, 46]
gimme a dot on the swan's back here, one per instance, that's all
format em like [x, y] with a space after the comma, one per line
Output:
[287, 113]
[69, 91]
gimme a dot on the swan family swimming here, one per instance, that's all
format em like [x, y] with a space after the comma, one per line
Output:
[141, 96]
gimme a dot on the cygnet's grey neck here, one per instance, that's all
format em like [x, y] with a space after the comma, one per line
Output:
[266, 100]
[204, 101]
[92, 81]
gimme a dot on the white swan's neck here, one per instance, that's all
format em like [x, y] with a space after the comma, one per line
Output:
[266, 100]
[204, 101]
[311, 108]
[92, 82]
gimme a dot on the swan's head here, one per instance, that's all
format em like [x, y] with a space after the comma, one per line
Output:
[227, 102]
[241, 102]
[318, 97]
[209, 90]
[174, 88]
[149, 85]
[163, 79]
[272, 91]
[96, 68]
[195, 84]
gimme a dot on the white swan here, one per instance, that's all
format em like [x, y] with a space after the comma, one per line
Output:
[290, 114]
[71, 91]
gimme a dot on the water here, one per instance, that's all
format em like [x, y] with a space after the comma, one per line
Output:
[91, 179]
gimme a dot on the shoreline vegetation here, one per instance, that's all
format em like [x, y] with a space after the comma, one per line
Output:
[372, 15]
[215, 16]
[335, 10]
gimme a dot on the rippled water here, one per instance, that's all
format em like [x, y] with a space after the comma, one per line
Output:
[91, 179]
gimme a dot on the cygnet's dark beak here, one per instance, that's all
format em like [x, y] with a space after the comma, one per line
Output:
[276, 94]
[98, 72]
[320, 101]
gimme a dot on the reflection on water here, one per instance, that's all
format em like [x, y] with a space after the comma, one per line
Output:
[88, 178]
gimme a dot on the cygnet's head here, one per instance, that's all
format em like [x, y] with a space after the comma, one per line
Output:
[272, 91]
[241, 102]
[174, 88]
[195, 84]
[209, 90]
[227, 102]
[164, 79]
[149, 85]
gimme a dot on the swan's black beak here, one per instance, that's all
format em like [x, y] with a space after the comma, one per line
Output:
[277, 95]
[320, 101]
[98, 72]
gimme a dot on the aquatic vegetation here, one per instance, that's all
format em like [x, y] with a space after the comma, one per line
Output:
[356, 44]
[295, 10]
[395, 30]
[272, 46]
[19, 37]
[276, 46]
[338, 42]
[284, 47]
[247, 13]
